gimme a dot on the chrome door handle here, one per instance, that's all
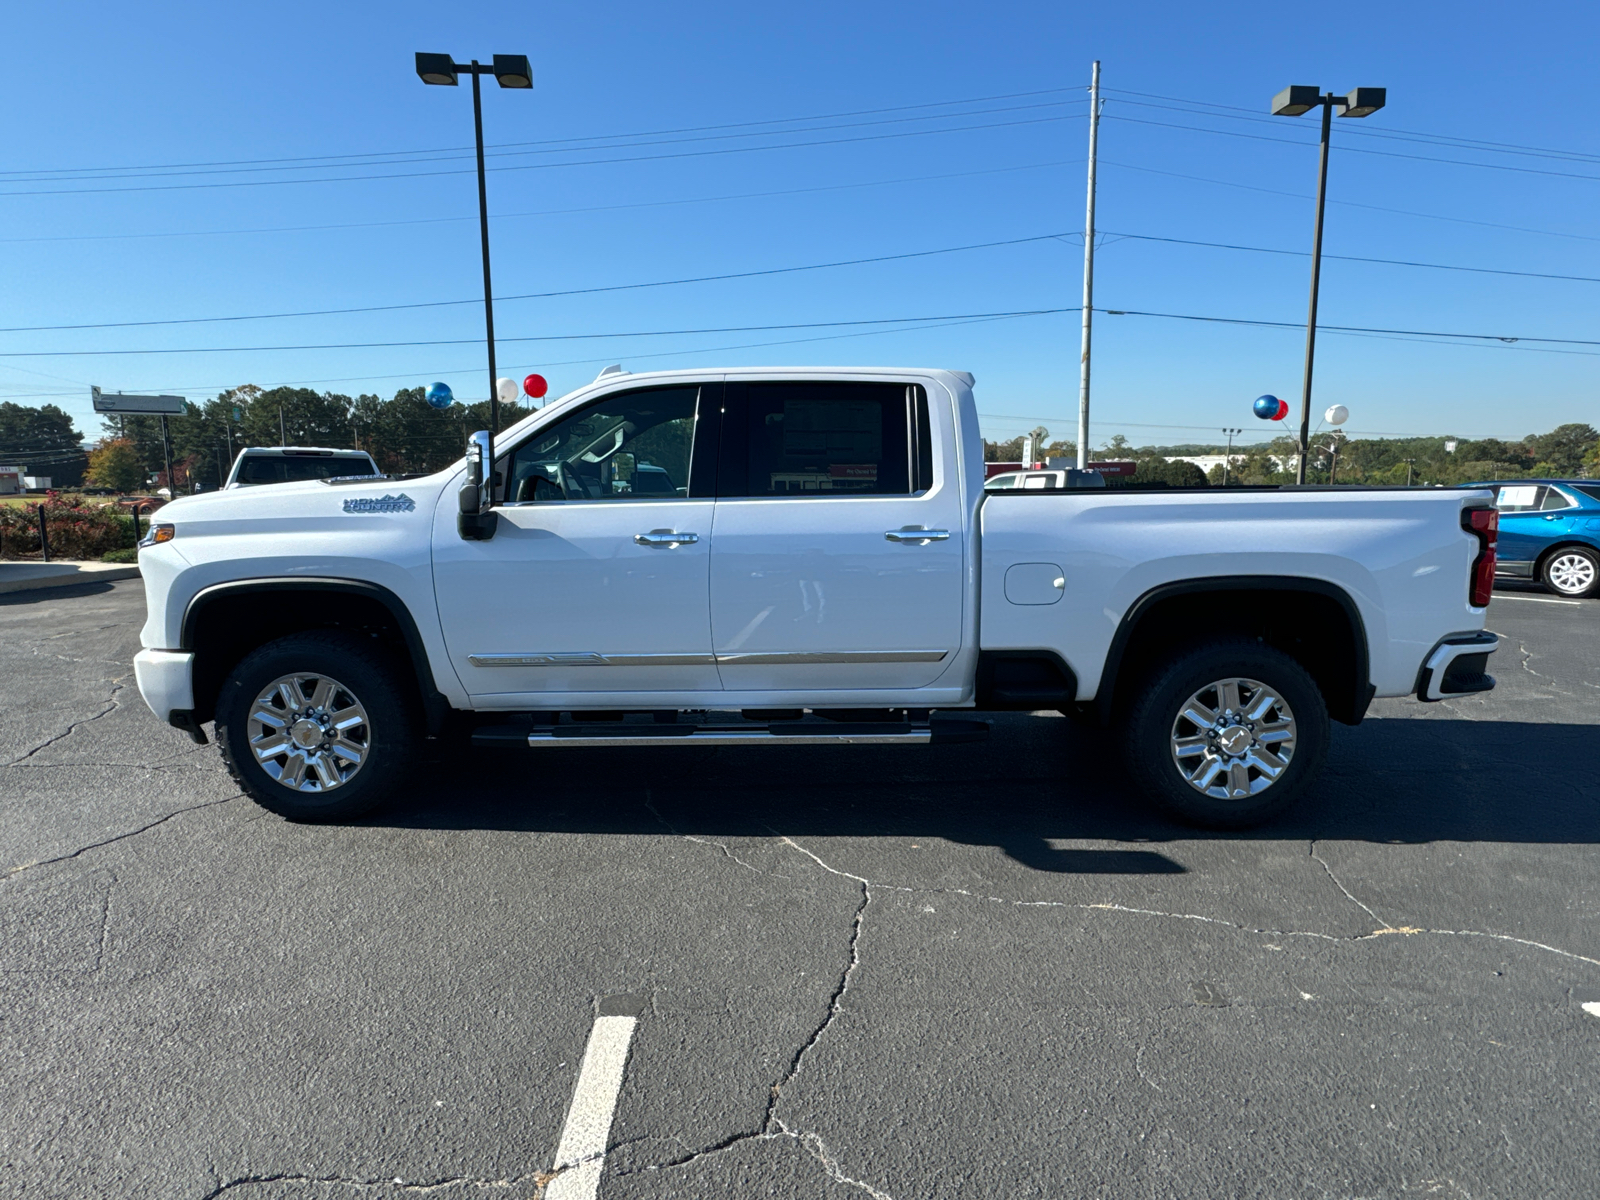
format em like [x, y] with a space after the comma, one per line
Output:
[669, 538]
[920, 536]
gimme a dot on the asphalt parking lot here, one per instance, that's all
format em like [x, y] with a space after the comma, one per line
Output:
[965, 971]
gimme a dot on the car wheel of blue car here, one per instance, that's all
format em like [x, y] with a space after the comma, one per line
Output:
[1573, 571]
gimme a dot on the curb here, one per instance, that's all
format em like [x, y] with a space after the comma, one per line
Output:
[79, 573]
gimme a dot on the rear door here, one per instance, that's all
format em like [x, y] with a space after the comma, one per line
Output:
[837, 557]
[1531, 517]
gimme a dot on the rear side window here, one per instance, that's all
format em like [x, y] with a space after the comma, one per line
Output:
[809, 439]
[1520, 497]
[1553, 499]
[274, 468]
[1591, 490]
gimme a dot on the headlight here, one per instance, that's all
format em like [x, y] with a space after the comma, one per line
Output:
[157, 534]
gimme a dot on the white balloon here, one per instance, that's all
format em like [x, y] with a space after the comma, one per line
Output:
[507, 390]
[1337, 415]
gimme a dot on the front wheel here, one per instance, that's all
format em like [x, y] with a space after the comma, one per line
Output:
[1227, 735]
[1573, 571]
[315, 726]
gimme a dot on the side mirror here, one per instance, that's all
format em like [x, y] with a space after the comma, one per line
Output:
[478, 519]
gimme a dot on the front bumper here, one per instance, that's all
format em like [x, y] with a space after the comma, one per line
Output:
[1457, 666]
[166, 681]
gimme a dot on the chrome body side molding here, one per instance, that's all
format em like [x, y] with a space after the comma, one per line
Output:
[793, 658]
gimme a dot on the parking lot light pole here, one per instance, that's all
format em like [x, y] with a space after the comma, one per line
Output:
[1291, 102]
[510, 71]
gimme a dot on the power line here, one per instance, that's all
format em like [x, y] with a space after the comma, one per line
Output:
[1196, 108]
[618, 287]
[1261, 137]
[547, 212]
[1415, 333]
[1404, 212]
[910, 321]
[1391, 262]
[556, 141]
[589, 146]
[178, 187]
[790, 270]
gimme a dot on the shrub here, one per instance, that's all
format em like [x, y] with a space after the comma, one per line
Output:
[77, 529]
[128, 555]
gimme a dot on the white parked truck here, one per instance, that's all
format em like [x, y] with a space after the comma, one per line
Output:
[795, 557]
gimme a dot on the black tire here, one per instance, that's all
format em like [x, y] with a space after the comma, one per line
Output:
[1566, 564]
[1153, 727]
[356, 670]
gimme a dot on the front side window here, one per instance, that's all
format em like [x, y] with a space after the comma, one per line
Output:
[809, 439]
[628, 446]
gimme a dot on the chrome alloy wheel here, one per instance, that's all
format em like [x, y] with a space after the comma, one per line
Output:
[1571, 574]
[309, 732]
[1233, 738]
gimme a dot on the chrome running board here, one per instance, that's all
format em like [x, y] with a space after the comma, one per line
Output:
[807, 733]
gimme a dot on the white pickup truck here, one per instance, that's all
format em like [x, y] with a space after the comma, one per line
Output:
[795, 557]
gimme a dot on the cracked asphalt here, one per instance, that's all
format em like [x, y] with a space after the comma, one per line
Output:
[966, 971]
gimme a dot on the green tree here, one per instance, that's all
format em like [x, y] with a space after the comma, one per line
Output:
[1562, 450]
[43, 441]
[115, 464]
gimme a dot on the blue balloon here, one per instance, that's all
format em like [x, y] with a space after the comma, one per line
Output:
[439, 395]
[1266, 407]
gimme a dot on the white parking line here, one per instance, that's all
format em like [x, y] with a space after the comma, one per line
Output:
[581, 1156]
[1592, 1007]
[1536, 599]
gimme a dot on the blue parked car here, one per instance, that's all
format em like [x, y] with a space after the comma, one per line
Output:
[1550, 530]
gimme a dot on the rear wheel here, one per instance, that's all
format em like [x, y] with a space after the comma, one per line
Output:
[1573, 571]
[1227, 735]
[315, 726]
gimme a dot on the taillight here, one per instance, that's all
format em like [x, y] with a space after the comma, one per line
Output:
[1485, 523]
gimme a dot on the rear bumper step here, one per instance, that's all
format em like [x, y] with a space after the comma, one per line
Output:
[785, 734]
[1457, 666]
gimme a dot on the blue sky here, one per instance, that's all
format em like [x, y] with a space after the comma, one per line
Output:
[942, 126]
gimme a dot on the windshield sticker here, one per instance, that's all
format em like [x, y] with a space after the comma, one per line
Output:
[380, 504]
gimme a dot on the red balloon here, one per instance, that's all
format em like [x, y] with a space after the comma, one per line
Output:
[1283, 410]
[536, 386]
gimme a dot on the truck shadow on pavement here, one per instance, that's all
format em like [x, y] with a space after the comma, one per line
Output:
[1036, 783]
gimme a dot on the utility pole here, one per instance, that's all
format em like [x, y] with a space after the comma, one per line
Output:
[1227, 460]
[283, 437]
[166, 457]
[1088, 272]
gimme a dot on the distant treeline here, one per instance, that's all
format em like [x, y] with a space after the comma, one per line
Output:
[404, 434]
[1568, 450]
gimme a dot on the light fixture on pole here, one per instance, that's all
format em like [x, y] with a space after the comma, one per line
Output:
[510, 71]
[1291, 102]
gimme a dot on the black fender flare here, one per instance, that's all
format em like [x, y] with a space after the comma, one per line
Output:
[435, 705]
[1362, 688]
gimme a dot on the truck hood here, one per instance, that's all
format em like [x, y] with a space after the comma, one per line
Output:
[278, 507]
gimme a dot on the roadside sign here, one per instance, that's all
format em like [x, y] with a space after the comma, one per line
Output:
[1113, 468]
[116, 402]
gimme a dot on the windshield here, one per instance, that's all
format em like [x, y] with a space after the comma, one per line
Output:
[275, 468]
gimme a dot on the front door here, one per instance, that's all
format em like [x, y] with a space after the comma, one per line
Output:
[838, 559]
[596, 579]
